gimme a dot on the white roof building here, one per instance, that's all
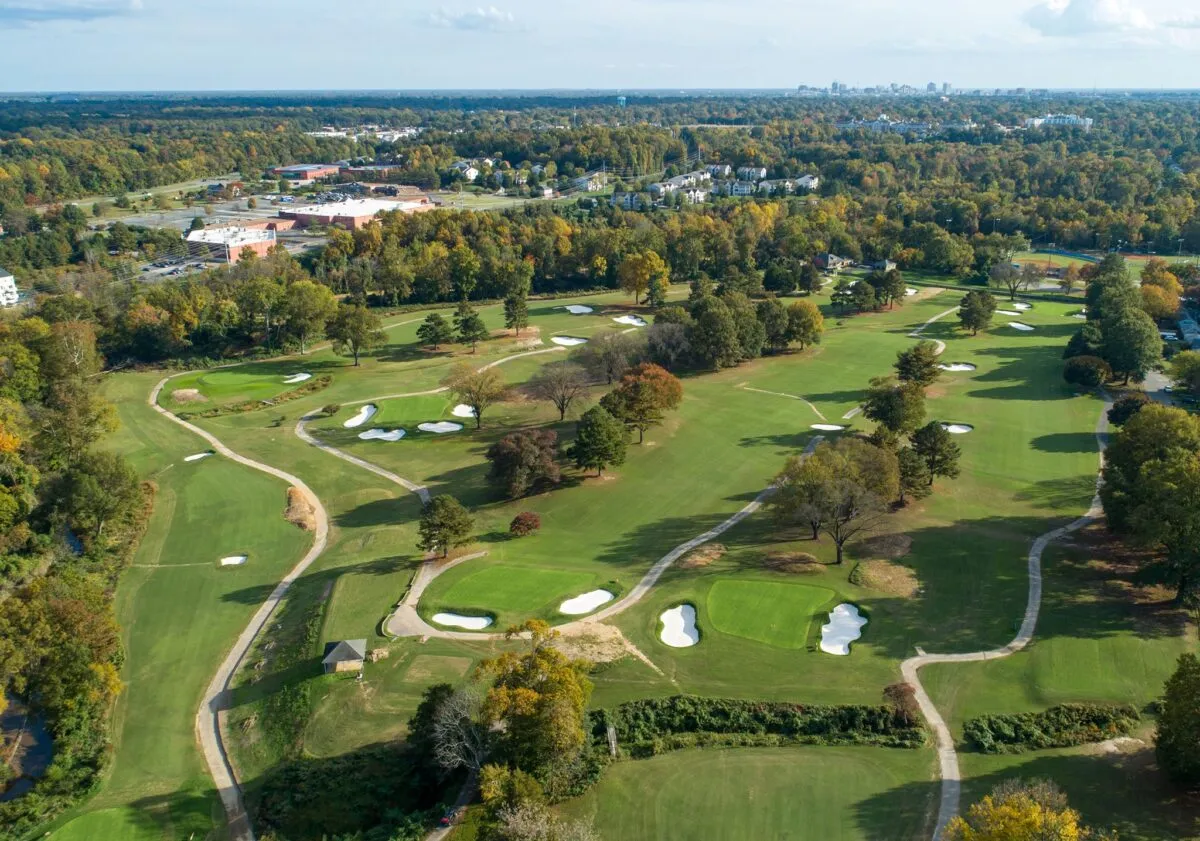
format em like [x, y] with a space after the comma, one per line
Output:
[8, 289]
[227, 242]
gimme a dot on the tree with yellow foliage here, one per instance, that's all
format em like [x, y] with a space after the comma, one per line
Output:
[1021, 810]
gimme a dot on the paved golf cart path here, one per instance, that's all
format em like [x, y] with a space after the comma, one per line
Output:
[208, 725]
[947, 756]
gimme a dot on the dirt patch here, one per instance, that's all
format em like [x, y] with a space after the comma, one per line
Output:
[1122, 745]
[890, 578]
[889, 546]
[595, 642]
[934, 392]
[300, 511]
[703, 556]
[427, 666]
[792, 563]
[188, 395]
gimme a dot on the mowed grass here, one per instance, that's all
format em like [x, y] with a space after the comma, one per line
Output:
[233, 385]
[773, 612]
[508, 589]
[179, 613]
[798, 793]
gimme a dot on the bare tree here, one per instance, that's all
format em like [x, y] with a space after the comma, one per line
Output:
[458, 739]
[535, 822]
[560, 383]
[609, 355]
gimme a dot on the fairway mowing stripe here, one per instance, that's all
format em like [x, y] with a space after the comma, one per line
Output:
[947, 756]
[781, 394]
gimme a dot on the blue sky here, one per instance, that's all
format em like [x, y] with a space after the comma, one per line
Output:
[390, 44]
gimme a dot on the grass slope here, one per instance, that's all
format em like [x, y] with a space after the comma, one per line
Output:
[774, 612]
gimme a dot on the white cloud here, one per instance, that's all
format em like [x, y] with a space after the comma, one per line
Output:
[1067, 18]
[22, 13]
[479, 19]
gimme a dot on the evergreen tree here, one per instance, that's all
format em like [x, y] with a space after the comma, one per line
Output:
[600, 441]
[435, 331]
[935, 445]
[445, 523]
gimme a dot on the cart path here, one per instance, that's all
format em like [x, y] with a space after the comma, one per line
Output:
[947, 756]
[216, 696]
[941, 346]
[804, 400]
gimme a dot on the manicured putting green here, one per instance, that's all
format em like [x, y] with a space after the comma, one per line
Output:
[237, 384]
[508, 588]
[772, 612]
[800, 794]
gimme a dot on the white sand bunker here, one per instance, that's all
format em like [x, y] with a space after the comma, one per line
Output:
[297, 378]
[957, 366]
[1007, 312]
[381, 434]
[462, 410]
[679, 627]
[828, 427]
[1016, 325]
[454, 620]
[233, 560]
[364, 414]
[585, 603]
[1079, 315]
[958, 428]
[576, 309]
[440, 428]
[845, 626]
[568, 341]
[909, 292]
[631, 320]
[1021, 305]
[199, 456]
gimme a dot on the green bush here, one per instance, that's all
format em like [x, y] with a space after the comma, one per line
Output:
[1087, 371]
[1058, 727]
[652, 726]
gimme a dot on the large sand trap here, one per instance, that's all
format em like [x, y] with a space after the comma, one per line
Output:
[585, 603]
[1016, 325]
[454, 620]
[568, 341]
[631, 320]
[199, 456]
[364, 415]
[828, 427]
[958, 428]
[679, 627]
[233, 560]
[297, 378]
[909, 292]
[382, 434]
[576, 309]
[1021, 305]
[462, 410]
[1007, 312]
[440, 428]
[957, 366]
[845, 626]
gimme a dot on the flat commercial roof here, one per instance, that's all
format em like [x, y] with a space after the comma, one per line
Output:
[231, 236]
[304, 167]
[351, 208]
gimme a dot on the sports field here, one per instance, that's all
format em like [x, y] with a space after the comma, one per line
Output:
[1028, 465]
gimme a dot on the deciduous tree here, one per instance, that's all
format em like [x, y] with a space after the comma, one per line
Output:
[1178, 734]
[900, 406]
[523, 460]
[479, 389]
[976, 310]
[353, 329]
[562, 384]
[918, 364]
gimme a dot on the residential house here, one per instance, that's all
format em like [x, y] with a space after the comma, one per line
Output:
[344, 656]
[719, 170]
[626, 201]
[779, 186]
[751, 173]
[547, 192]
[695, 195]
[588, 183]
[807, 182]
[466, 169]
[831, 262]
[662, 188]
[883, 265]
[537, 169]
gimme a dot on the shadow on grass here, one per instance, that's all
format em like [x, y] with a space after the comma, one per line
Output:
[1122, 792]
[1066, 442]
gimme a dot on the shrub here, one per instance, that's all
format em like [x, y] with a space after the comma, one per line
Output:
[903, 699]
[651, 726]
[1058, 727]
[524, 524]
[1087, 371]
[331, 409]
[1127, 407]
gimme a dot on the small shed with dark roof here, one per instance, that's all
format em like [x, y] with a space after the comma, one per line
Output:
[344, 656]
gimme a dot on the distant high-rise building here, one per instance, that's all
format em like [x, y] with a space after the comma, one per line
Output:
[931, 88]
[945, 87]
[835, 87]
[620, 102]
